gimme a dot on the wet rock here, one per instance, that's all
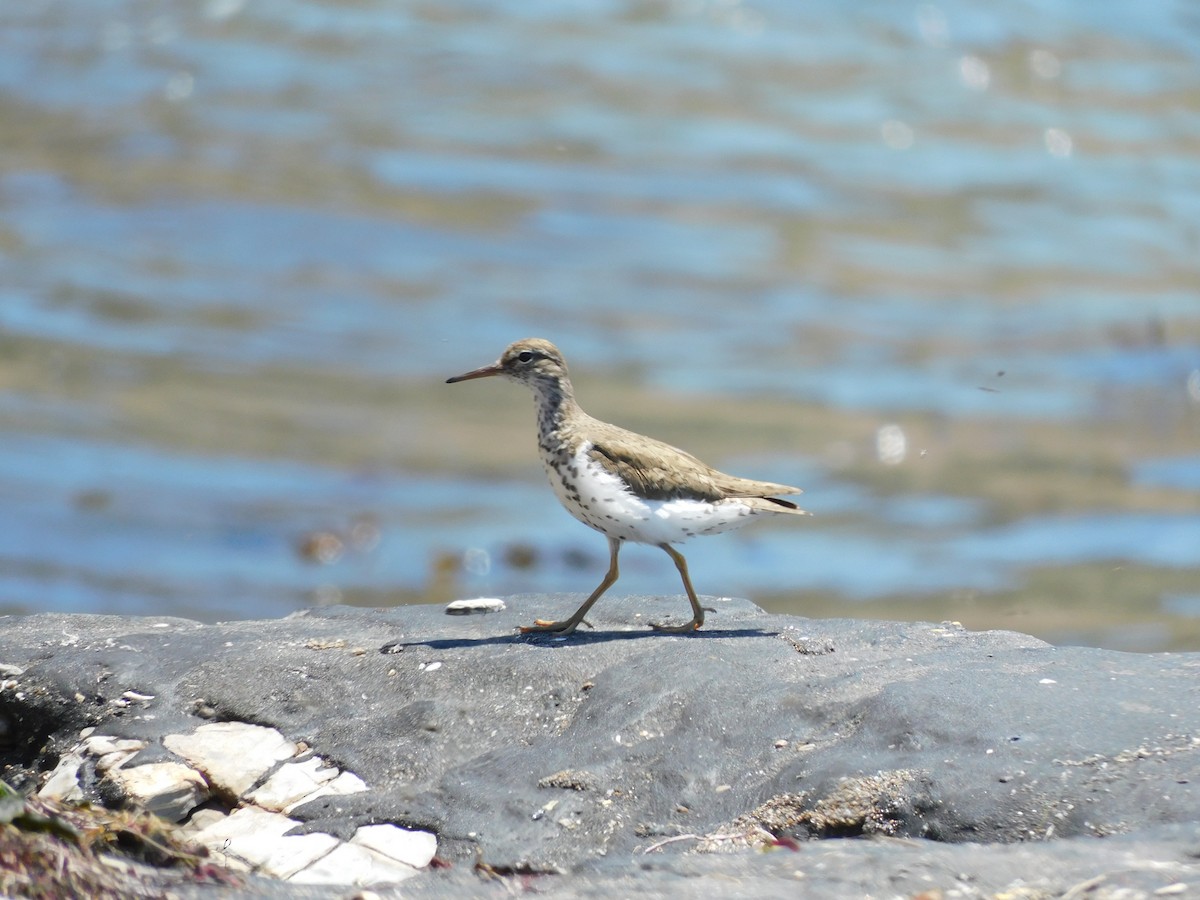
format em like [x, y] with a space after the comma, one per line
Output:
[614, 757]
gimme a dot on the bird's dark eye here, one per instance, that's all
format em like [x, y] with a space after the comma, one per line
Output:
[525, 356]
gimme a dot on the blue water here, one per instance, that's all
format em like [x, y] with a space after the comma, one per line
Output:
[239, 238]
[1182, 473]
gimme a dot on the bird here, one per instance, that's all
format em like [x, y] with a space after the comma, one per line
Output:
[625, 485]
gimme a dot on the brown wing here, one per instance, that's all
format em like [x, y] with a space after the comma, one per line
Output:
[659, 471]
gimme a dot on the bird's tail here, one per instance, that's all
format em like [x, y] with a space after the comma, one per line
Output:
[775, 505]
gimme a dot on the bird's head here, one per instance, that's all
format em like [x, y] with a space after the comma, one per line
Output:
[532, 361]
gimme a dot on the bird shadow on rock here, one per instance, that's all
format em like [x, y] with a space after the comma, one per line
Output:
[552, 642]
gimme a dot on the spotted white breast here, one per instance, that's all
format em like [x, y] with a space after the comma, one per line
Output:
[601, 500]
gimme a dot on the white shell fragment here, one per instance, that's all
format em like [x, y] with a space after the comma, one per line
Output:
[103, 745]
[354, 864]
[345, 783]
[230, 758]
[168, 789]
[477, 606]
[413, 848]
[112, 753]
[63, 783]
[259, 839]
[232, 755]
[293, 783]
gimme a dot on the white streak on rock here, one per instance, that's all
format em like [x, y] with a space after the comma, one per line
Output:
[232, 755]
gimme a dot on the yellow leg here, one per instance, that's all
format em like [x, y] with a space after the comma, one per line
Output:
[697, 609]
[568, 625]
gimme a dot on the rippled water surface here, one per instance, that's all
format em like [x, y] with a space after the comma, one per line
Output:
[937, 263]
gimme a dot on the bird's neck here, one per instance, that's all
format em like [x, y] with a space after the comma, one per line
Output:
[557, 410]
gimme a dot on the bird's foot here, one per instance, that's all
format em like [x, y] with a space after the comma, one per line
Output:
[542, 626]
[685, 628]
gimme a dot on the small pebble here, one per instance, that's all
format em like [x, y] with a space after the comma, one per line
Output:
[477, 606]
[204, 710]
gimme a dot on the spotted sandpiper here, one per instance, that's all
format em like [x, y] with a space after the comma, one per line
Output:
[626, 486]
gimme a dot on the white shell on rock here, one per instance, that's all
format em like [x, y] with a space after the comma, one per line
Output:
[103, 745]
[168, 789]
[475, 607]
[111, 752]
[63, 783]
[233, 755]
[345, 783]
[413, 848]
[354, 864]
[292, 783]
[259, 838]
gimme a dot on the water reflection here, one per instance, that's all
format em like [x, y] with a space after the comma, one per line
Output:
[934, 262]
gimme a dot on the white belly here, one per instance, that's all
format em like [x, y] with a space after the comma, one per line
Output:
[602, 501]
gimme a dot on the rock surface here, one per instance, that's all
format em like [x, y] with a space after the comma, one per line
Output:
[890, 758]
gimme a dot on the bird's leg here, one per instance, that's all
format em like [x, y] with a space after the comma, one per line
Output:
[697, 609]
[568, 625]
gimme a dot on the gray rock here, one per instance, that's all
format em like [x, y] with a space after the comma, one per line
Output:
[622, 759]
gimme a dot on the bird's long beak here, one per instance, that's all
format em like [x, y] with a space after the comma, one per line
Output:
[486, 371]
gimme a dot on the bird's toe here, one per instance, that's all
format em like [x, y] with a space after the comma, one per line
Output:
[685, 628]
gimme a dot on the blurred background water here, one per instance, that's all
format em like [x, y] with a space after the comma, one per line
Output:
[939, 263]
